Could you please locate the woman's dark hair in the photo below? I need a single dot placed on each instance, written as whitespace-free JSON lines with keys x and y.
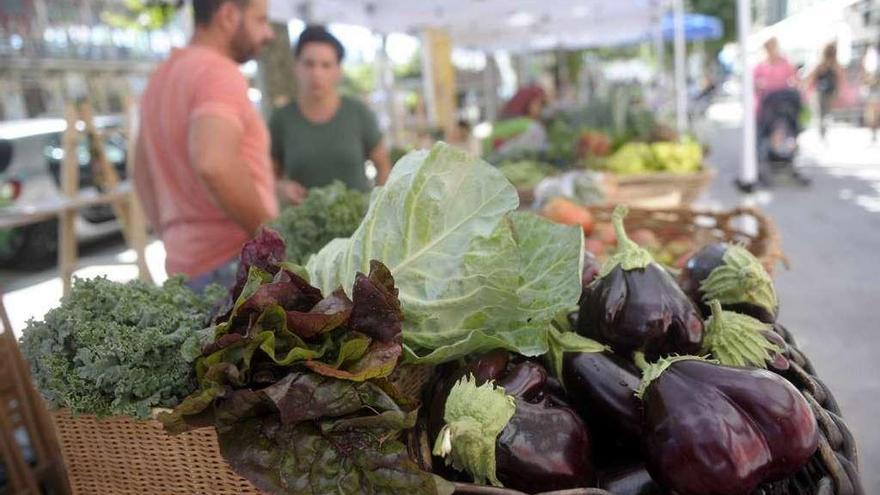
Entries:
{"x":318,"y":34}
{"x":829,"y":53}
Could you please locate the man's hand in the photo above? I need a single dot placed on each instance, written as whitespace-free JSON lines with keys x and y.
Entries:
{"x":292,"y":192}
{"x":382,"y":160}
{"x":215,"y":153}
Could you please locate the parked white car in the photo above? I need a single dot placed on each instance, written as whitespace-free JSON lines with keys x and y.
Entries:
{"x":30,"y":171}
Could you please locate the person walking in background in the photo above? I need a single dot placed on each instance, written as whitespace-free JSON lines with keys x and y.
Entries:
{"x":828,"y":79}
{"x":774,"y":73}
{"x":202,"y":168}
{"x":871,"y":76}
{"x":324,"y":136}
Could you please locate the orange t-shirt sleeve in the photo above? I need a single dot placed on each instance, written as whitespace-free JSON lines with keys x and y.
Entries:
{"x":223,"y":93}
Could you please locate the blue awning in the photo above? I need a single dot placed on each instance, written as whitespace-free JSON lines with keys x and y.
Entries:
{"x":696,"y":27}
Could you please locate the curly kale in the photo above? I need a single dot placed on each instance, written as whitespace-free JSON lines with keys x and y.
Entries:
{"x":116,"y":349}
{"x":328,"y":212}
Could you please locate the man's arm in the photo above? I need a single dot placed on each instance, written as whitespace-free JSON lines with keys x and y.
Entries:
{"x":215,"y":154}
{"x":382,"y":160}
{"x":143,"y":183}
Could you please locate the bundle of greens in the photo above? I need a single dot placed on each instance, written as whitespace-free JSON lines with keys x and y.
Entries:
{"x":294,"y":382}
{"x":327,"y":213}
{"x":472,"y":274}
{"x":117,"y":349}
{"x":526,"y":174}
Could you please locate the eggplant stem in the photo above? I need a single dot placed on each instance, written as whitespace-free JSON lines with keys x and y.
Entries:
{"x":640,"y":361}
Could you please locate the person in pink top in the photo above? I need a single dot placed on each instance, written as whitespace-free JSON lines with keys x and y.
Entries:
{"x":774,"y":73}
{"x":202,"y":169}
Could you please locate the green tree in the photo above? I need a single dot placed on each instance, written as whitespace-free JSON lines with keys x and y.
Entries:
{"x":142,"y":14}
{"x":725,"y":10}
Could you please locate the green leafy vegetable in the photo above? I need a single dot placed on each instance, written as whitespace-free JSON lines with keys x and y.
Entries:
{"x":328,"y":436}
{"x":294,"y":383}
{"x":284,"y":323}
{"x":327,"y":213}
{"x":472,"y":275}
{"x":526,"y":174}
{"x":117,"y":349}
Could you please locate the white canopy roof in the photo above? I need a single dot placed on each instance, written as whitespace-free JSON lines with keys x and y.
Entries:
{"x":521,"y":25}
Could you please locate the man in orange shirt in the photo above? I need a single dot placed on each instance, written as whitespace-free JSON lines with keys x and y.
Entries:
{"x":202,"y":168}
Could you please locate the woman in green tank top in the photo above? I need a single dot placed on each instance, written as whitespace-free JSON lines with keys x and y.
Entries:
{"x":323,"y":136}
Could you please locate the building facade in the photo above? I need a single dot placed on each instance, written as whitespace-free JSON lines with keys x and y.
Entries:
{"x":54,"y":51}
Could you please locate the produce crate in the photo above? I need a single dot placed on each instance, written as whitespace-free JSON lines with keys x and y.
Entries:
{"x":747,"y":226}
{"x":661,"y":189}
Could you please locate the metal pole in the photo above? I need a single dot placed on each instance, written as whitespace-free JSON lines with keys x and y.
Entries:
{"x":385,"y":75}
{"x":748,"y":175}
{"x":680,"y":70}
{"x":659,"y":45}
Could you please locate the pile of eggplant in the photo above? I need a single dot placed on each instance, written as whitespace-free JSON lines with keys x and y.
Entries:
{"x":689,"y":395}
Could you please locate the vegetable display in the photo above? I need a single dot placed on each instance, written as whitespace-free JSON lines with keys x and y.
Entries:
{"x":733,"y":276}
{"x":549,"y":369}
{"x":740,"y":340}
{"x":504,"y":423}
{"x":118,"y":349}
{"x":566,"y":212}
{"x":327,"y":213}
{"x":640,"y":158}
{"x":602,"y":387}
{"x":635,"y":305}
{"x":292,"y":381}
{"x":526,"y":174}
{"x":472,"y":274}
{"x":717,"y":430}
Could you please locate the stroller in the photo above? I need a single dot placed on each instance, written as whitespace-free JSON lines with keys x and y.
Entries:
{"x":778,"y":127}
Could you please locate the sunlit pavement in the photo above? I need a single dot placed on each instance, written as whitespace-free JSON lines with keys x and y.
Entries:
{"x":30,"y":294}
{"x":830,"y":235}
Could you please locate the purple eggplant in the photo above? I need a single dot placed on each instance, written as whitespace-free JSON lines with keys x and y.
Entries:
{"x":602,"y":387}
{"x":716,"y":430}
{"x":635,"y":305}
{"x":592,"y":267}
{"x":732,"y":275}
{"x":507,"y":427}
{"x":631,"y":480}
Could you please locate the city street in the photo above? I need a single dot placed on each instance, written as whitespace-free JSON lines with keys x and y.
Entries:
{"x":830,"y":235}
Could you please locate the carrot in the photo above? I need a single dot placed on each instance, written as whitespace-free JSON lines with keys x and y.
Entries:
{"x":567,"y":212}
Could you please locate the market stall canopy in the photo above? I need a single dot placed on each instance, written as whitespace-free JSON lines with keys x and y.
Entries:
{"x":696,"y":27}
{"x":525,"y":25}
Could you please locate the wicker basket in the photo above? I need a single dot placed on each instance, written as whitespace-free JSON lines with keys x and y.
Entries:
{"x":746,"y":226}
{"x":121,"y":456}
{"x":661,"y":189}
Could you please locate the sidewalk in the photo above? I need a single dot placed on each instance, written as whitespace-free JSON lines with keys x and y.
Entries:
{"x":831,"y":236}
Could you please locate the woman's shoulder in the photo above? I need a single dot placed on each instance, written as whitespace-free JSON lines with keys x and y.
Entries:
{"x":285,"y":113}
{"x":290,"y":108}
{"x":355,"y":104}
